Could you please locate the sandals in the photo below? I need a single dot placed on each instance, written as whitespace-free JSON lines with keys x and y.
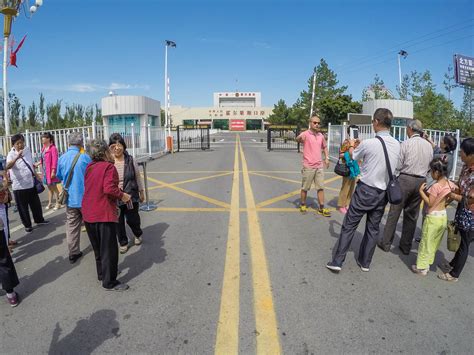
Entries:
{"x":447,"y":277}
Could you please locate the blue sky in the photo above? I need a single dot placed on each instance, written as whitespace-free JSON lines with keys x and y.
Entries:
{"x":79,"y":50}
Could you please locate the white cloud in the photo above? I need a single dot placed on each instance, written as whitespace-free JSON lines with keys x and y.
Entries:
{"x":85,"y":87}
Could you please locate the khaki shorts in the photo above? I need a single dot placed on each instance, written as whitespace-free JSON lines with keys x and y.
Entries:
{"x":310,"y":176}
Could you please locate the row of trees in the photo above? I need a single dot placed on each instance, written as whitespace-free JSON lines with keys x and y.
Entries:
{"x":332,"y":104}
{"x":44,"y":116}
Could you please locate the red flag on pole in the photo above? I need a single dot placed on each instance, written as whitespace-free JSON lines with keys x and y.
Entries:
{"x":13,"y":53}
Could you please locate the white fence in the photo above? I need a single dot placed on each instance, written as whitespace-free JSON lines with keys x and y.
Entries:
{"x":337,"y":134}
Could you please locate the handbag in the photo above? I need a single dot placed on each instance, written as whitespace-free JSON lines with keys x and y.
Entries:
{"x":5,"y":196}
{"x":454,"y":237}
{"x":36,"y":182}
{"x":63,"y":195}
{"x":394,"y":191}
{"x":341,"y":169}
{"x":463,"y":217}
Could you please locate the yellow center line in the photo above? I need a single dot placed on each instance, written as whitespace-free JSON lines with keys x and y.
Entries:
{"x":227,"y":338}
{"x":190,"y":172}
{"x":191,"y":180}
{"x":191,"y":193}
{"x":268,"y":341}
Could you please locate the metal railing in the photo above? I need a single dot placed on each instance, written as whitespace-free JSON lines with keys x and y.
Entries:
{"x":337,"y":134}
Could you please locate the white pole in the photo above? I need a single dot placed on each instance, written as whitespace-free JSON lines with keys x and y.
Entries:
{"x":149,"y":140}
{"x":312,"y":96}
{"x":399,"y":72}
{"x":166,"y":90}
{"x":456,"y":153}
{"x":6,"y":117}
{"x":133,"y":140}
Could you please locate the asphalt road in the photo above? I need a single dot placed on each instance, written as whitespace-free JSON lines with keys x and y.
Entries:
{"x":229,"y":264}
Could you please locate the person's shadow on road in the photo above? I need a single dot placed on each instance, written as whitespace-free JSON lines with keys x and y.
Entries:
{"x":88,"y":334}
{"x":151,"y":252}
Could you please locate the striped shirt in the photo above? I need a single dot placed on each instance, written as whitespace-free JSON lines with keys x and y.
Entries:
{"x":416,"y":155}
{"x":120,"y":166}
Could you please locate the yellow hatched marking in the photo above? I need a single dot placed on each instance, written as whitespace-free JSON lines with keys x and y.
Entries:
{"x":289,"y":209}
{"x":191,"y":193}
{"x":268,"y":341}
{"x":190,"y":172}
{"x":227,"y":338}
{"x":191,"y":180}
{"x":191,"y":209}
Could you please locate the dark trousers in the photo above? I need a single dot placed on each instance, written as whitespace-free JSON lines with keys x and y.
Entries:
{"x":410,"y":206}
{"x":25,"y":198}
{"x":365,"y":201}
{"x":133,"y":220}
{"x":103,"y":238}
{"x":8,"y":276}
{"x":460,"y":257}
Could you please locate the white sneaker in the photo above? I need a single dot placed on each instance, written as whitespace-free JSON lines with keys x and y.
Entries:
{"x":138,"y":240}
{"x":123,"y":249}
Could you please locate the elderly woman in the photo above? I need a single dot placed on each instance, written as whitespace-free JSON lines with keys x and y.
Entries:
{"x":464,"y":219}
{"x":99,"y":211}
{"x":447,"y":146}
{"x":20,"y":164}
{"x":130,"y":182}
{"x":49,"y":163}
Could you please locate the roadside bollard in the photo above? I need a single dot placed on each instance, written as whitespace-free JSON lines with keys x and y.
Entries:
{"x":148,"y":206}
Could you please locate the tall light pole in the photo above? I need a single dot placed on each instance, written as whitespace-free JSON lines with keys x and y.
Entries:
{"x":312,"y":95}
{"x":167,"y":87}
{"x":10,"y":8}
{"x":403,"y":54}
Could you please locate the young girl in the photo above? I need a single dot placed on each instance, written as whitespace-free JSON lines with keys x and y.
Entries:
{"x":436,"y":220}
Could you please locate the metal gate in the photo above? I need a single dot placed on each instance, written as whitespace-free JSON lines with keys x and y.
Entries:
{"x":282,"y":137}
{"x":193,"y":137}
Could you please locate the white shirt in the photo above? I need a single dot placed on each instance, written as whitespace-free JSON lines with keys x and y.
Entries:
{"x":373,"y":171}
{"x":416,"y":155}
{"x":21,"y":176}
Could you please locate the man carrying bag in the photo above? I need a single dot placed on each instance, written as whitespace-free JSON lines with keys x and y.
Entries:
{"x":71,"y":170}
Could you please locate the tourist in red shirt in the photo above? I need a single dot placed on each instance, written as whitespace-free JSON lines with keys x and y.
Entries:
{"x":100,"y":212}
{"x":313,"y":166}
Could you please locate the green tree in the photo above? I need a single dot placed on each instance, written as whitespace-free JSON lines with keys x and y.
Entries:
{"x":376,"y":90}
{"x":42,"y":110}
{"x":15,"y":110}
{"x":32,"y":116}
{"x":448,"y":81}
{"x":53,"y":113}
{"x":280,"y":114}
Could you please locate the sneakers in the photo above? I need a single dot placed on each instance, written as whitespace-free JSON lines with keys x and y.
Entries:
{"x":14,"y":300}
{"x":44,"y":222}
{"x":303,"y":208}
{"x":343,"y":210}
{"x":333,"y":267}
{"x":28,"y":229}
{"x":123,"y":249}
{"x":364,"y":269}
{"x":138,"y":240}
{"x":421,"y":272}
{"x":324,"y":212}
{"x":447,"y":277}
{"x":75,"y":257}
{"x":118,"y":287}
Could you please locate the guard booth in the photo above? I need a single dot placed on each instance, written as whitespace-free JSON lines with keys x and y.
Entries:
{"x":192,"y":137}
{"x":283,"y":137}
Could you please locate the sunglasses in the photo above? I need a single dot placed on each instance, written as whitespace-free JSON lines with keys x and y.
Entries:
{"x":315,"y":122}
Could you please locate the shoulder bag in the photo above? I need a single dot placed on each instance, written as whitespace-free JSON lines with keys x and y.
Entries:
{"x":341,"y":169}
{"x":394,"y":191}
{"x":63,"y":195}
{"x":36,"y":182}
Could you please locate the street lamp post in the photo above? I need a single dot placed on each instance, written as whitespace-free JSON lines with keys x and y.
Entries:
{"x":10,"y":8}
{"x":312,"y":95}
{"x":403,"y":54}
{"x":167,"y":92}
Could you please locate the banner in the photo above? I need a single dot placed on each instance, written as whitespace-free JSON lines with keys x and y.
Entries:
{"x":464,"y":69}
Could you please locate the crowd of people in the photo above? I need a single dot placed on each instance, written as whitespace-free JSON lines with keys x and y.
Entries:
{"x":421,"y":171}
{"x":101,"y":190}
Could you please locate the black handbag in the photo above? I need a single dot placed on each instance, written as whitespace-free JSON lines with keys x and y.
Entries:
{"x":64,"y":194}
{"x":394,"y":191}
{"x":37,"y":184}
{"x":341,"y":169}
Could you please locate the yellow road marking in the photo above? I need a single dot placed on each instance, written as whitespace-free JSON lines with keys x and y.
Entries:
{"x":276,"y":177}
{"x":190,"y":172}
{"x":227,"y":339}
{"x":289,"y":209}
{"x":191,"y":193}
{"x":191,"y":180}
{"x":191,"y":209}
{"x":268,"y":341}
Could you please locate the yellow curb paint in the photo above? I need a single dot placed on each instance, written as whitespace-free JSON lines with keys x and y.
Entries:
{"x":191,"y":180}
{"x":227,"y":337}
{"x":191,"y":209}
{"x":268,"y":341}
{"x":191,"y":193}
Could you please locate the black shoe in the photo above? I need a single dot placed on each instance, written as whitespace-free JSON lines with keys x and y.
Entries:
{"x":118,"y":287}
{"x":43,"y":222}
{"x":75,"y":257}
{"x":383,"y":247}
{"x":403,"y":251}
{"x":28,"y":229}
{"x":333,"y":266}
{"x":417,"y":240}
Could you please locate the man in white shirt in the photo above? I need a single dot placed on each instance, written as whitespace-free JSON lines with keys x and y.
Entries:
{"x":370,"y":197}
{"x":20,"y":164}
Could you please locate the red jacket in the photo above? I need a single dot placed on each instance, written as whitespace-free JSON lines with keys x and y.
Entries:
{"x":101,"y":193}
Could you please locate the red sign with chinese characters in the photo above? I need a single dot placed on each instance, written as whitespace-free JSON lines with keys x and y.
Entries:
{"x":237,"y":125}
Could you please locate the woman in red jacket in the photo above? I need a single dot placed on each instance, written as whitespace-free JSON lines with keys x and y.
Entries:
{"x":100,"y":212}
